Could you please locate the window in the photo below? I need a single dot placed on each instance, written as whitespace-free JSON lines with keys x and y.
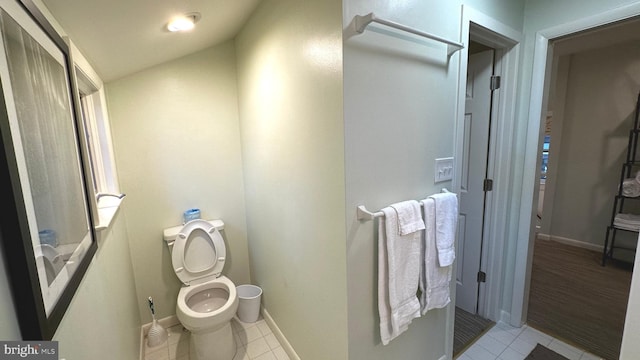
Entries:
{"x":545,"y":157}
{"x":99,"y":148}
{"x":544,"y":164}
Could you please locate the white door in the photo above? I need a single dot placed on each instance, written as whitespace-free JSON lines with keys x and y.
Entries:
{"x":474,"y":170}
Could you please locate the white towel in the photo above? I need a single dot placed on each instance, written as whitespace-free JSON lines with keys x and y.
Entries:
{"x":434,"y":280}
{"x":409,"y":217}
{"x":446,"y":220}
{"x":631,"y":187}
{"x":627,"y":221}
{"x":398,"y":276}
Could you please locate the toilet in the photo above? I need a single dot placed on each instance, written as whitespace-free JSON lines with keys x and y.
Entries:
{"x":208,"y":300}
{"x":51,"y":259}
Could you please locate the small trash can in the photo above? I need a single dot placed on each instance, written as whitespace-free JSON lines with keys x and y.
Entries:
{"x":249,"y":302}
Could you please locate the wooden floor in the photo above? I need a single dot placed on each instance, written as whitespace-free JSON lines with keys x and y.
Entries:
{"x":577,"y":300}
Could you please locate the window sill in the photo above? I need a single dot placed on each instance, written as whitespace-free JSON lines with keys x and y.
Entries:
{"x":107,"y":210}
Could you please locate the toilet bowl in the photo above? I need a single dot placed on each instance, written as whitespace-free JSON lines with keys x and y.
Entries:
{"x":208,"y":300}
{"x":51,"y":260}
{"x":206,"y":310}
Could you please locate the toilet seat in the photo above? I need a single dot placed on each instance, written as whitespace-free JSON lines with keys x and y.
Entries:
{"x":52,"y":260}
{"x":198,"y":252}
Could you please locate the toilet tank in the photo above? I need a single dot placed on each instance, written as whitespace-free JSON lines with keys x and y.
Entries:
{"x":169,"y":235}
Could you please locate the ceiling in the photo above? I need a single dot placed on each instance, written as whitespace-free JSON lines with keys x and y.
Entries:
{"x":120,"y":37}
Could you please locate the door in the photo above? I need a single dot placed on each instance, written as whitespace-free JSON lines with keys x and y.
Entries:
{"x":477,"y":124}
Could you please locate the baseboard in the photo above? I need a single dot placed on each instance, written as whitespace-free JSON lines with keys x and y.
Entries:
{"x":571,"y":242}
{"x":543,"y":236}
{"x":166,"y":323}
{"x":286,"y":346}
{"x":505,"y":317}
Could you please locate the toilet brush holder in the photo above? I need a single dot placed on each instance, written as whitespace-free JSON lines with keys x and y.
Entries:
{"x":157,"y":334}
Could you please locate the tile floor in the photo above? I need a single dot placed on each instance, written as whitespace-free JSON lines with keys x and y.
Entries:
{"x":255,"y":341}
{"x":504,"y":342}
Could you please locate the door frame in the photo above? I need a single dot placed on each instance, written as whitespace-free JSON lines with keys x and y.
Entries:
{"x":506,"y":41}
{"x":542,"y":58}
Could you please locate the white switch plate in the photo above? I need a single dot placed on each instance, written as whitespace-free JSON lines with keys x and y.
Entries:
{"x":444,"y":169}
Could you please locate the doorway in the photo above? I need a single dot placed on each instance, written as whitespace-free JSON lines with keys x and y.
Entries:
{"x":483,"y":33}
{"x":474,"y":190}
{"x":473,"y":194}
{"x":491,"y":48}
{"x":592,"y":94}
{"x":542,"y":57}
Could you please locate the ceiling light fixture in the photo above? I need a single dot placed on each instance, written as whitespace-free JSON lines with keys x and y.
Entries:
{"x":184,"y":22}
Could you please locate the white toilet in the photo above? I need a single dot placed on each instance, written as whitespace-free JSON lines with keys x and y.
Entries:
{"x":51,"y":259}
{"x":208,"y":300}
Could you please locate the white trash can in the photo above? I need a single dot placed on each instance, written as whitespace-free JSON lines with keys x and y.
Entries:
{"x":249,"y":302}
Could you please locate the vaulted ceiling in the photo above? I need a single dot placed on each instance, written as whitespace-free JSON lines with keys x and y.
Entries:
{"x":120,"y":37}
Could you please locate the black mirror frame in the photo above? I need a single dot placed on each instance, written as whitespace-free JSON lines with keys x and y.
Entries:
{"x":15,"y":237}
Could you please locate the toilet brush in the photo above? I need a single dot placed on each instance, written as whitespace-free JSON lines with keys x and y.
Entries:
{"x":157,"y":334}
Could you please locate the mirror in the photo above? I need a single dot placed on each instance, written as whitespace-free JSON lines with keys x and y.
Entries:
{"x":48,"y":239}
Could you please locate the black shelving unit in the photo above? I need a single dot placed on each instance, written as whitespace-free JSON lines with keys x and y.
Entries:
{"x":630,"y":166}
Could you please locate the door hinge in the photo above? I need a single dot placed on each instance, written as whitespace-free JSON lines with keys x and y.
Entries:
{"x":495,"y":82}
{"x":487,"y":185}
{"x":482,"y":276}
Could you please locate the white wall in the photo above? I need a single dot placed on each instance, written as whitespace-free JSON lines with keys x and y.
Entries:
{"x":399,"y":103}
{"x":290,"y":91}
{"x":9,"y":328}
{"x":103,"y":316}
{"x":601,"y":96}
{"x":400,"y":99}
{"x":542,"y":14}
{"x":508,"y":12}
{"x":177,"y":146}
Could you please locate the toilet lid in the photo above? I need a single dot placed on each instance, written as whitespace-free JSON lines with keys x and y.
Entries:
{"x":198,"y":252}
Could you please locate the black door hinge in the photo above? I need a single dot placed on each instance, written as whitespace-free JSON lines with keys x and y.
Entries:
{"x":495,"y":82}
{"x":487,"y":185}
{"x":482,"y":276}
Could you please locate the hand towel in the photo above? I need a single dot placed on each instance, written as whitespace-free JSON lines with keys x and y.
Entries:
{"x":409,"y":217}
{"x":434,"y":280}
{"x":446,"y":220}
{"x":631,"y":187}
{"x":398,"y":276}
{"x":627,"y":221}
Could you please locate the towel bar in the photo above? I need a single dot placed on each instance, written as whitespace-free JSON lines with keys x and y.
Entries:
{"x":361,"y":22}
{"x":365,"y":215}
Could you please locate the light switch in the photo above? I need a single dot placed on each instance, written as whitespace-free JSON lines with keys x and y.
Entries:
{"x":444,"y":169}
